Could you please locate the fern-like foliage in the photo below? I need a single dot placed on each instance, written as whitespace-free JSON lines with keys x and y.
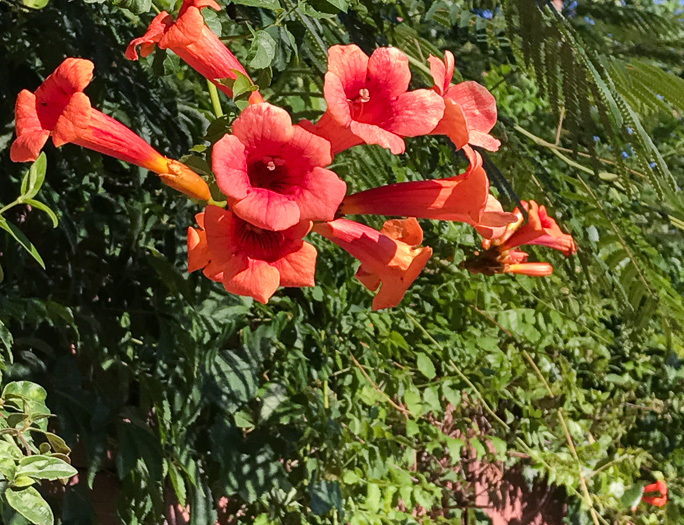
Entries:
{"x":576,"y":77}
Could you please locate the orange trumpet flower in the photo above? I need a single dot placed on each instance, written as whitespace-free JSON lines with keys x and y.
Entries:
{"x":390,"y":258}
{"x":190,"y":38}
{"x":369,"y":102}
{"x":501,"y":254}
{"x":463,"y":198}
{"x":248,"y":260}
{"x":59,"y":109}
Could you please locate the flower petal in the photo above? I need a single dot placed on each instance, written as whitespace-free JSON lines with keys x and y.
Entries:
{"x":72,"y":75}
{"x":336,"y":99}
{"x":340,"y":137}
{"x":307,"y":149}
{"x":318,"y":194}
{"x":26,"y":147}
{"x":483,"y":140}
{"x":263,"y":129}
{"x":388,"y":73}
{"x":442,"y":71}
{"x":415,"y":113}
{"x":229,"y":164}
{"x":268,"y":210}
{"x":453,"y":124}
{"x":74,"y":120}
{"x":298,"y":267}
{"x":479,"y":106}
{"x":198,"y":251}
{"x":31,"y":137}
{"x":153,"y":34}
{"x":350,"y":65}
{"x":185,"y":31}
{"x":259,"y":280}
{"x":372,"y":134}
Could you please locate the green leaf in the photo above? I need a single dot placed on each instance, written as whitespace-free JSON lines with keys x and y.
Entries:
{"x":263,"y":50}
{"x":57,"y":443}
{"x":454,"y":446}
{"x":30,"y":504}
{"x":178,"y":483}
{"x":273,"y":397}
{"x":44,"y":208}
{"x":244,"y":420}
{"x":425,"y":366}
{"x":21,"y":239}
{"x":35,"y":4}
{"x":45,"y":467}
{"x":25,"y":390}
{"x":35,"y":176}
{"x":266,"y":4}
{"x":480,"y":450}
{"x":135,"y":6}
{"x":324,"y":496}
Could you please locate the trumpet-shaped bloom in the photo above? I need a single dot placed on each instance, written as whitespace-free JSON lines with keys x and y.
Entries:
{"x":272,"y":172}
{"x":470,"y":110}
{"x":661,"y":488}
{"x":249,"y":260}
{"x":190,"y":38}
{"x":390,"y":259}
{"x":463,"y":198}
{"x":501,"y":254}
{"x":540,"y":229}
{"x":369,"y":102}
{"x":60,"y":109}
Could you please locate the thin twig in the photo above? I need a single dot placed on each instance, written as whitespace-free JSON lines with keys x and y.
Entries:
{"x":400,"y":408}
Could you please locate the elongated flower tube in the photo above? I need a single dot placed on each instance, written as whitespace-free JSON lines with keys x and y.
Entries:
{"x":369,"y":102}
{"x":273,"y":172}
{"x":248,"y":260}
{"x":470,"y":109}
{"x":190,"y":38}
{"x":59,"y":109}
{"x":501,"y":254}
{"x":464,"y":198}
{"x":390,"y":259}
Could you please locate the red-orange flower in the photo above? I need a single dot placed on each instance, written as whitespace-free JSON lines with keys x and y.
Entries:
{"x":272,"y":172}
{"x":390,"y":259}
{"x":501,"y":254}
{"x":661,"y":488}
{"x":368,"y":101}
{"x":246,"y":259}
{"x":190,"y":38}
{"x":60,"y":109}
{"x":540,"y":229}
{"x":470,"y":110}
{"x":463,"y":198}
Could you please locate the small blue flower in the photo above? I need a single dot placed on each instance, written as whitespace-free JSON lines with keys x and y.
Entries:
{"x":589,"y":21}
{"x":658,"y":2}
{"x":596,"y":138}
{"x":651,"y":164}
{"x":487,"y":14}
{"x":572,"y":5}
{"x":624,"y":154}
{"x":629,"y":130}
{"x":660,"y":97}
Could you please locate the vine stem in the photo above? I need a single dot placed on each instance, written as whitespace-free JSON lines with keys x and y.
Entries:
{"x":215,"y":101}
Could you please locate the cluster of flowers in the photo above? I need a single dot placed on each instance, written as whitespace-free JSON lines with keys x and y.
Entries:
{"x":274,"y":176}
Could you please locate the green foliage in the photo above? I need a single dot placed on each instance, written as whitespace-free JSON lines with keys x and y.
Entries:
{"x":28,"y":453}
{"x":313,"y":409}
